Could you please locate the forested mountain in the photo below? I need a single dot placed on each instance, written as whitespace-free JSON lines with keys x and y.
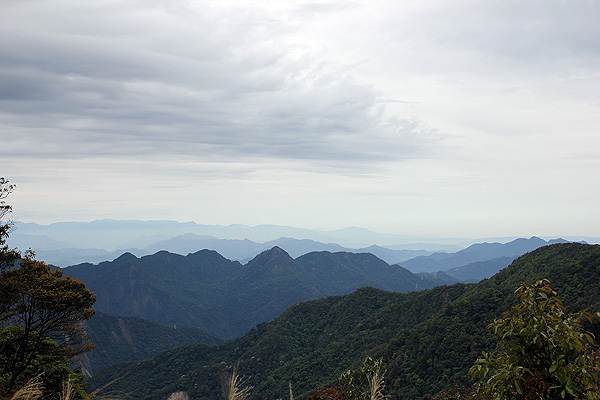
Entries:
{"x":121,"y":339}
{"x":226,"y":298}
{"x":428,"y":339}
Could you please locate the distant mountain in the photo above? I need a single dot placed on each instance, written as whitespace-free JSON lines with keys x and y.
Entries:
{"x":391,"y":256}
{"x":226,"y":298}
{"x":60,"y":254}
{"x":476,"y":253}
{"x":245,"y":250}
{"x":428,"y":339}
{"x":432,"y":279}
{"x":122,"y":339}
{"x":233,"y":249}
{"x":118,"y":234}
{"x":477,"y":271}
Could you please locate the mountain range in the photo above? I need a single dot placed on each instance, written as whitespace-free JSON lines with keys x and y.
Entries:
{"x":457,"y":263}
{"x":64,"y":244}
{"x":118,"y":234}
{"x":227,"y":298}
{"x":58,"y":253}
{"x":428,"y":339}
{"x":210,"y":293}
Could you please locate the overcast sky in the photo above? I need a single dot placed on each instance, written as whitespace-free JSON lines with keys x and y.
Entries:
{"x":436,"y":118}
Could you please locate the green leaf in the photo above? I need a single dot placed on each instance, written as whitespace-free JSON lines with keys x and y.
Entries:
{"x":518,"y":386}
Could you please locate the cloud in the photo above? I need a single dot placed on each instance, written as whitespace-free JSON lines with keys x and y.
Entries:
{"x":136,"y":79}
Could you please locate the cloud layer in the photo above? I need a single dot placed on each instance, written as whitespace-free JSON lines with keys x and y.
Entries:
{"x":139,"y":79}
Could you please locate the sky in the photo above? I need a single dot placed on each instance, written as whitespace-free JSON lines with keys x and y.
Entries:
{"x":433,"y":118}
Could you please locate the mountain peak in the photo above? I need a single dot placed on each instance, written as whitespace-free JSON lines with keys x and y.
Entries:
{"x":127,"y":256}
{"x":273,"y":261}
{"x":275,"y":253}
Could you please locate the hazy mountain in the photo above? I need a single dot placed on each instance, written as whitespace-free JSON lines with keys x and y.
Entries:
{"x":226,"y":298}
{"x":114,"y":234}
{"x":475,"y":253}
{"x":233,"y":249}
{"x":477,"y":271}
{"x":432,"y":279}
{"x":428,"y":339}
{"x":391,"y":256}
{"x":63,"y":253}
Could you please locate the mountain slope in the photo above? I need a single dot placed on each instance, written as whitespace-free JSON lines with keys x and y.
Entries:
{"x":429,"y":339}
{"x":343,"y":272}
{"x":165,"y":288}
{"x":121,"y":339}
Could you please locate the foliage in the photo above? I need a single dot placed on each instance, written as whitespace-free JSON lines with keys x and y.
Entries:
{"x":543,"y":351}
{"x":7,"y":256}
{"x":331,"y":393}
{"x":40,"y":315}
{"x":366,"y":383}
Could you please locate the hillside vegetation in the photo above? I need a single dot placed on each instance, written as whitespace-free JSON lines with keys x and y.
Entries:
{"x":428,"y":339}
{"x":121,"y":339}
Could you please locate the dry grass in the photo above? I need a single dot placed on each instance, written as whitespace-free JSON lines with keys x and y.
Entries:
{"x":179,"y":396}
{"x":95,"y":395}
{"x":376,"y":385}
{"x":67,"y":390}
{"x":31,"y":391}
{"x":235,"y":386}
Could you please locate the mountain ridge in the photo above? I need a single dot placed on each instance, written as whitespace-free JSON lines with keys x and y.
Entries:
{"x":475,"y":253}
{"x":226,"y":298}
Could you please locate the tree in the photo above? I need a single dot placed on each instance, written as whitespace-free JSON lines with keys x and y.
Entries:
{"x":7,"y":256}
{"x":40,"y":316}
{"x":42,"y":304}
{"x":543,"y":352}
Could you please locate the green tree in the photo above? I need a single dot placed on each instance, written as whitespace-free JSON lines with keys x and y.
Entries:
{"x":43,"y":304}
{"x":40,"y":317}
{"x":543,"y":351}
{"x":7,"y":255}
